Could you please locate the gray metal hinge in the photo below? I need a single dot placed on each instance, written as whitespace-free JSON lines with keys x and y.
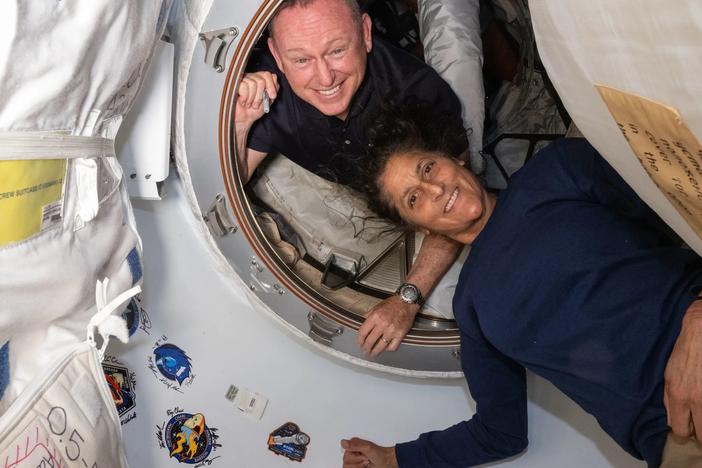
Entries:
{"x":217,"y":44}
{"x":218,"y":219}
{"x":322,"y":329}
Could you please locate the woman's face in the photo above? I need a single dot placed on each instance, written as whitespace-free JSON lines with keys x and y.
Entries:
{"x":437,"y":194}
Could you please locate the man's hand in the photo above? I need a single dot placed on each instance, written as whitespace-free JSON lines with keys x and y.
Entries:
{"x":249,"y":108}
{"x":683,"y":377}
{"x":359,"y":453}
{"x":386,"y":325}
{"x":249,"y":99}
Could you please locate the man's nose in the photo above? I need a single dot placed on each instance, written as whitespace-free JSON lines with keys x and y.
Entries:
{"x":324,"y":73}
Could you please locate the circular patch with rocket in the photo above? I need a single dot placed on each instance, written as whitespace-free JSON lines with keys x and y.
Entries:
{"x":188,"y":439}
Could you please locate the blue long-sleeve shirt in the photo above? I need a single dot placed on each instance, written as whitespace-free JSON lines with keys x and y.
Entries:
{"x":573,"y":278}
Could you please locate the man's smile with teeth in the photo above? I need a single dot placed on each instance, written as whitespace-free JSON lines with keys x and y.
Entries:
{"x":451,"y":200}
{"x":329,"y":92}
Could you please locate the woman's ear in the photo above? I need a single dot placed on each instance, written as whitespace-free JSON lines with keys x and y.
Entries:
{"x":462,"y":158}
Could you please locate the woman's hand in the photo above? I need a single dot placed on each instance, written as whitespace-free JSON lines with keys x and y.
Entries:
{"x":386,"y":325}
{"x":682,"y":395}
{"x":359,"y":453}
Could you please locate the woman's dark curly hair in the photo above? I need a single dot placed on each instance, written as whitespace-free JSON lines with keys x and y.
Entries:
{"x":413,"y":126}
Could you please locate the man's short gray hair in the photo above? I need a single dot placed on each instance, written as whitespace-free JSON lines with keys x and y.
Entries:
{"x":352,"y":4}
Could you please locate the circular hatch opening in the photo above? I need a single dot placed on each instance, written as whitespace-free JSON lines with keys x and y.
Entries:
{"x":319,"y":246}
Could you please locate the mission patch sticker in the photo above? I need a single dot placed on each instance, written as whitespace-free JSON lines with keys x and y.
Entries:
{"x":289,"y":442}
{"x":122,"y":383}
{"x":170,"y":365}
{"x":188,"y":438}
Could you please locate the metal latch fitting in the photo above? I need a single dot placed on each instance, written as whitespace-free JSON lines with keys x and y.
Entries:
{"x":322,"y":329}
{"x":218,"y":219}
{"x":217,"y":44}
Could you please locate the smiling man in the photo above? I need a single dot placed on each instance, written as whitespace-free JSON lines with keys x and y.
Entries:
{"x":324,"y":74}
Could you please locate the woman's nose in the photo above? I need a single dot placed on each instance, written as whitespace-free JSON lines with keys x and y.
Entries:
{"x":435,"y":190}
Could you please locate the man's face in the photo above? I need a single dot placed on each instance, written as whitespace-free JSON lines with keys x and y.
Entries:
{"x":322,"y":51}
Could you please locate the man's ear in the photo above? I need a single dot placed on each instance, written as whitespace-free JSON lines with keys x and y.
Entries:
{"x":366,"y":27}
{"x":275,"y":53}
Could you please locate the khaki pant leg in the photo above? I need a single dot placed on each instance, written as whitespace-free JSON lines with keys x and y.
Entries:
{"x":681,"y":453}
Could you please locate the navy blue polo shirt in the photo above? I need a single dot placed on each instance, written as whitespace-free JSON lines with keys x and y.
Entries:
{"x":328,"y":146}
{"x":573,"y":279}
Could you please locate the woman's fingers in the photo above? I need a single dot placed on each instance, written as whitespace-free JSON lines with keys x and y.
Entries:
{"x":696,"y":423}
{"x":381,"y":345}
{"x":372,"y":339}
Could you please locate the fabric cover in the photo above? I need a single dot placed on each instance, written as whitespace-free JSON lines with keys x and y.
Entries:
{"x":645,"y":48}
{"x":70,"y":68}
{"x":65,"y":416}
{"x":450,"y":33}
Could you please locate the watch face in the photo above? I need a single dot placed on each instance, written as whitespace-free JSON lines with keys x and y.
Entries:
{"x":409,"y":293}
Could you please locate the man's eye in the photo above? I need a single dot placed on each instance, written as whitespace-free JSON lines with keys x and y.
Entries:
{"x":337,"y":51}
{"x":412,"y":200}
{"x":301,"y":61}
{"x":428,"y":167}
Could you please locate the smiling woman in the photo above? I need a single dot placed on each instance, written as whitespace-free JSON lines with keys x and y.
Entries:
{"x":416,"y":176}
{"x":595,"y":304}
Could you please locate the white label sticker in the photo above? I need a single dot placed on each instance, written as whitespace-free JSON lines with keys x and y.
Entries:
{"x":247,"y":401}
{"x":51,"y":215}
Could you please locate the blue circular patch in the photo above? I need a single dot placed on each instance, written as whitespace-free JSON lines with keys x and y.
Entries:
{"x":172,"y":362}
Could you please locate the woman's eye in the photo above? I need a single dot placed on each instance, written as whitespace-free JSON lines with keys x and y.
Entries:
{"x":428,"y":167}
{"x":412,"y":200}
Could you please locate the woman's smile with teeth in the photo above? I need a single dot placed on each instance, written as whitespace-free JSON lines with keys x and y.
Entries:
{"x":329,"y":92}
{"x":451,"y":200}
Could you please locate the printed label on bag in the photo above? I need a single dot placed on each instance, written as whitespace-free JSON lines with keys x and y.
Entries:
{"x":31,"y":197}
{"x":665,"y":146}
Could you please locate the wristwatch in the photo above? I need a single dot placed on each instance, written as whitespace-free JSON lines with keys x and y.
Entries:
{"x":410,"y":294}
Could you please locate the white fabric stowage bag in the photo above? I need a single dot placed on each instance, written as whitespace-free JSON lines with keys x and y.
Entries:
{"x":70,"y":256}
{"x":65,"y":418}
